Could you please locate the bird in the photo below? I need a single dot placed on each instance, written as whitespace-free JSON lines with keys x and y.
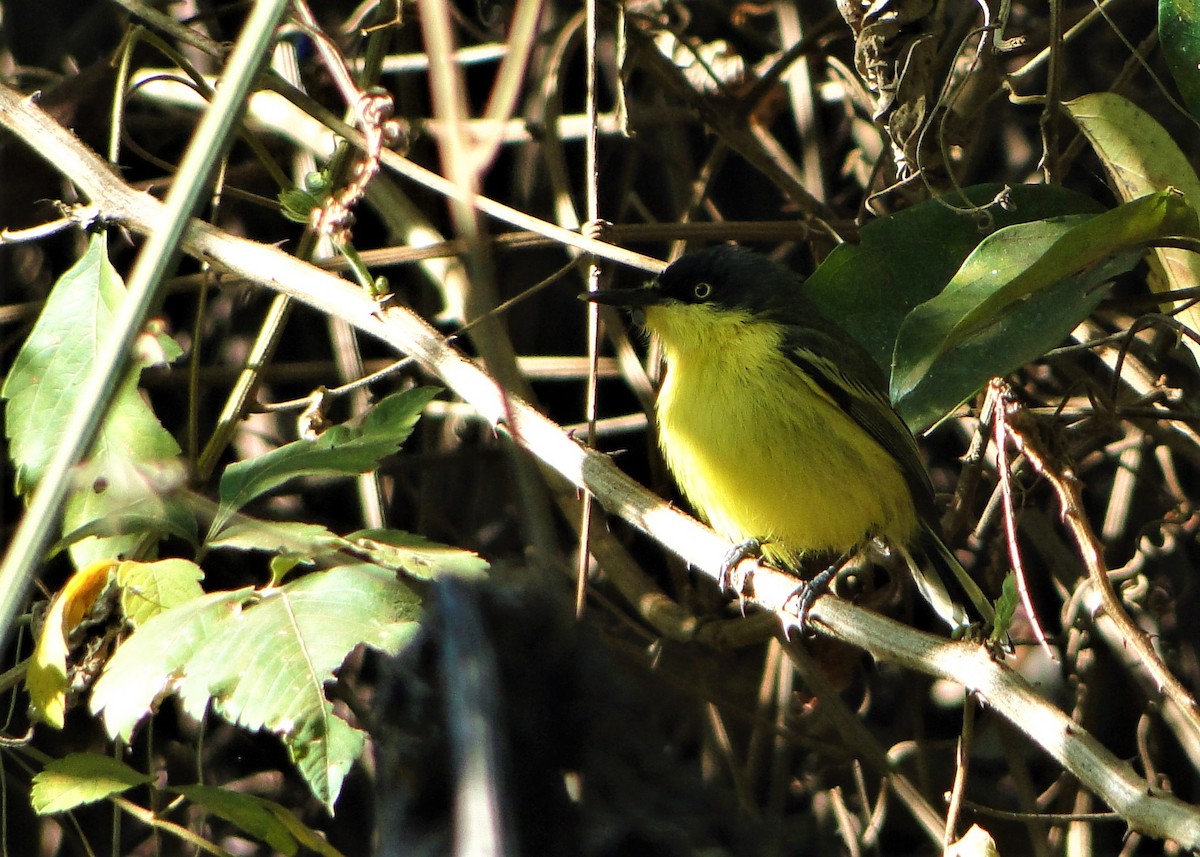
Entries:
{"x":775,"y":424}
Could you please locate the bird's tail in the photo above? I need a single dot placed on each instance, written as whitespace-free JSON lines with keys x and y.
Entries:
{"x":945,"y":584}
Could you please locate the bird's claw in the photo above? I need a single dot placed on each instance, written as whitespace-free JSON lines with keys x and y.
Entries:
{"x":806,"y":595}
{"x":742,"y":550}
{"x":746,"y":549}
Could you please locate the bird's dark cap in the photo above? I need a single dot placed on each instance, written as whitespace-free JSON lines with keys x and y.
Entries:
{"x":625,"y":297}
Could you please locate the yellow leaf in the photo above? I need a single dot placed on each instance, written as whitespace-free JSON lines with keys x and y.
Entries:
{"x":46,"y":680}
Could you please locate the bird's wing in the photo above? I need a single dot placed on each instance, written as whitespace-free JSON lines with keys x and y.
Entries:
{"x":855,"y":383}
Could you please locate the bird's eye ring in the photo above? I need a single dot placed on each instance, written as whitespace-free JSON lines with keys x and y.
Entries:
{"x":702,"y":291}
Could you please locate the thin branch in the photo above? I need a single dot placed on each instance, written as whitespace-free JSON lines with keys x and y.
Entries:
{"x":999,"y":686}
{"x":1067,"y":487}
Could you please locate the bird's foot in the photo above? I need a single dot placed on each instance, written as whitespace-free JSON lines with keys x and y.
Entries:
{"x":805,"y":595}
{"x":746,"y":549}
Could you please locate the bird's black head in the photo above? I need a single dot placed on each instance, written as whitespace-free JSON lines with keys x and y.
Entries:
{"x":730,"y":278}
{"x":723,"y":278}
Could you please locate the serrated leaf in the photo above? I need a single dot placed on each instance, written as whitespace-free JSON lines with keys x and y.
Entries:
{"x":342,"y":450}
{"x":417,"y":556}
{"x":262,"y":662}
{"x":252,"y":815}
{"x":42,"y":388}
{"x":150,"y":588}
{"x":79,"y":779}
{"x":46,"y":679}
{"x":55,"y":359}
{"x":265,"y":667}
{"x":1140,"y":157}
{"x":152,"y":658}
{"x":402,"y":551}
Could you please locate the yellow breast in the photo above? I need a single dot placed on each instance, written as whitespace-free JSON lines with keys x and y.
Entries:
{"x":761,"y":451}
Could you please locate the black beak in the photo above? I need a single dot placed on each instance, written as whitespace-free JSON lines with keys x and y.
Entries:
{"x":624,"y":297}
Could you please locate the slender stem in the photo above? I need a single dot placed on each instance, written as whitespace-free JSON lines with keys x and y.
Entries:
{"x":592,"y":171}
{"x":154,"y":262}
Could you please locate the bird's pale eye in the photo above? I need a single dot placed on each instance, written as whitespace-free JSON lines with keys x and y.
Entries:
{"x":702,"y":291}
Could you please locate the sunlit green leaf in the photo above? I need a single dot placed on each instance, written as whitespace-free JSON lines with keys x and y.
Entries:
{"x":1003,"y":276}
{"x":1027,"y":329}
{"x":1006,"y":607}
{"x":150,"y":588}
{"x":342,"y":450}
{"x":905,"y":259}
{"x":79,"y":779}
{"x":43,"y":386}
{"x":282,"y":537}
{"x":145,"y":514}
{"x":297,"y":204}
{"x":150,"y":661}
{"x":1140,"y":157}
{"x":418,"y":556}
{"x":265,"y":667}
{"x":261,"y":659}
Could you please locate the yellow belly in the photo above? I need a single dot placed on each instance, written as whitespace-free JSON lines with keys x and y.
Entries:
{"x":799,"y":475}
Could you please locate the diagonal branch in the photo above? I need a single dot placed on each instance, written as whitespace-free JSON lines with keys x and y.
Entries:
{"x":1145,"y":808}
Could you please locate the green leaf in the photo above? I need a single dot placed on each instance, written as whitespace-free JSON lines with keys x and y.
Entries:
{"x":1179,"y":32}
{"x":342,"y":450}
{"x":116,"y":489}
{"x":282,"y":566}
{"x":55,"y":359}
{"x":281,"y":537}
{"x":262,"y":659}
{"x":1032,"y":327}
{"x":150,"y":588}
{"x":417,"y":556}
{"x":1002,"y":275}
{"x":42,"y":389}
{"x":401,"y":551}
{"x":1006,"y":608}
{"x":303,"y":834}
{"x":250,"y":814}
{"x":297,"y":204}
{"x":1140,"y":157}
{"x":148,"y":664}
{"x":265,"y":667}
{"x":144,"y":515}
{"x":79,"y":779}
{"x":904,"y":260}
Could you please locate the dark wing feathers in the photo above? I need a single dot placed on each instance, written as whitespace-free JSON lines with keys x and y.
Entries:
{"x":855,"y":383}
